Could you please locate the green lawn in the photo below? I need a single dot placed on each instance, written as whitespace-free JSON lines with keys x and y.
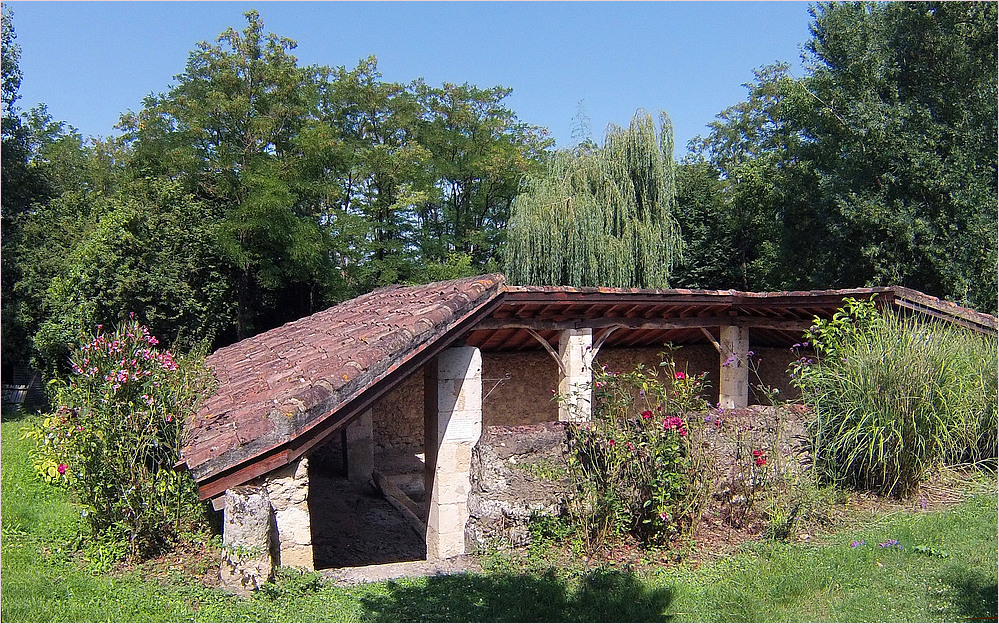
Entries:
{"x":951,"y":578}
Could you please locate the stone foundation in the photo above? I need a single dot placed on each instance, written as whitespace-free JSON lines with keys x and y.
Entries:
{"x":246,"y":556}
{"x":506,"y":488}
{"x":291,"y":533}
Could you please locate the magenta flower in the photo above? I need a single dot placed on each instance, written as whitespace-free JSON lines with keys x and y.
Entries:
{"x":680,"y":375}
{"x":62,"y":469}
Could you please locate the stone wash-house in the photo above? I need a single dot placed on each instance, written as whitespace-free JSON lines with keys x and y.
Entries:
{"x":419,"y":371}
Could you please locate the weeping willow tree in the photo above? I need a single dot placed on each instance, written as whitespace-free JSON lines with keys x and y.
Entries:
{"x":600,"y":216}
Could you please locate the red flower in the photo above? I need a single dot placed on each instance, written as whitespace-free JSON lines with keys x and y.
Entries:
{"x":610,"y":442}
{"x":760,"y":461}
{"x":647,"y":414}
{"x":757,"y":453}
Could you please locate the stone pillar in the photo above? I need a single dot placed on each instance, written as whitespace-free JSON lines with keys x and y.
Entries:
{"x":246,"y":532}
{"x":452,"y":426}
{"x":575,"y":348}
{"x":733,"y":386}
{"x":360,"y":447}
{"x":288,"y":488}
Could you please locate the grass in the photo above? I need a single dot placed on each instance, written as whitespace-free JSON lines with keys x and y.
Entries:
{"x":951,"y":578}
{"x":901,"y":396}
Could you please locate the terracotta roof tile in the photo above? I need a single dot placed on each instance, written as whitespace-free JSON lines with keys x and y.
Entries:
{"x":281,"y":383}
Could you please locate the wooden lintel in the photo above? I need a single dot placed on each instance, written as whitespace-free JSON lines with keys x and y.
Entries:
{"x":665,"y":323}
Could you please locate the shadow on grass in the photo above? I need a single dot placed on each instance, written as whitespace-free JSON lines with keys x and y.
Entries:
{"x":14,"y":415}
{"x":976,"y":597}
{"x":597,"y":597}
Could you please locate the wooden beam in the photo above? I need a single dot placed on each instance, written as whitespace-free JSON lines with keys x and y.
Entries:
{"x":551,"y":351}
{"x":413,"y":512}
{"x":665,"y":323}
{"x":603,"y":338}
{"x":261,"y":466}
{"x":707,"y":334}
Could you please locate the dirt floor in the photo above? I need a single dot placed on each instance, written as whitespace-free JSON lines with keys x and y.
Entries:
{"x":353,"y":525}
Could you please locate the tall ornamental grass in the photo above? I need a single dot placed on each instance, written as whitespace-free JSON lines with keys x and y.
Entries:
{"x":893,"y":396}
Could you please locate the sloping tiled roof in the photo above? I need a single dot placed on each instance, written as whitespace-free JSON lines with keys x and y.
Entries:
{"x":286,"y":390}
{"x":277,"y":387}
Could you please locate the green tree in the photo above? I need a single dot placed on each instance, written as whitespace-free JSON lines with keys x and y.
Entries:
{"x":602,"y":216}
{"x":147,"y":249}
{"x":480,"y":152}
{"x":227,"y":129}
{"x":899,"y":114}
{"x":372,"y":170}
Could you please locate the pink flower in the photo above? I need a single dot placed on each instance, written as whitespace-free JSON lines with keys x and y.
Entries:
{"x":680,"y":375}
{"x":664,"y":516}
{"x":62,"y":469}
{"x":610,"y":442}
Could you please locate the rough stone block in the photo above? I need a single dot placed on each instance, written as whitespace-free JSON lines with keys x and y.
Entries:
{"x":288,"y":488}
{"x":246,"y":559}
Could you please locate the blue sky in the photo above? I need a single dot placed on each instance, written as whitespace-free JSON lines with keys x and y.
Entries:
{"x":91,"y":61}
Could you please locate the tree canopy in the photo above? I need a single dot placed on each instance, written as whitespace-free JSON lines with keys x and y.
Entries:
{"x":600,"y":216}
{"x":878,"y":167}
{"x":256,"y":190}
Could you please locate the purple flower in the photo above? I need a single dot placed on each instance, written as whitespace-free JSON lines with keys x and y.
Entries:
{"x":856,"y":544}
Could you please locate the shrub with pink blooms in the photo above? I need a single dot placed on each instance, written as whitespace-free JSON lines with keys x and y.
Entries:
{"x":631,"y":466}
{"x":116,"y":435}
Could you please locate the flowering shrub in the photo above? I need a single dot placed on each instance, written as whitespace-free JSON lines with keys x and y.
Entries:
{"x":631,"y":466}
{"x":116,"y":436}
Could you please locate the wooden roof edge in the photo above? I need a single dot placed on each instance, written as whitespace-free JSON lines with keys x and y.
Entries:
{"x":215,"y":479}
{"x":519,"y":293}
{"x":945,"y":310}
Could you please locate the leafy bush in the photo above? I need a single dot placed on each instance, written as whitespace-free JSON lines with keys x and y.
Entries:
{"x":116,"y":436}
{"x":631,"y":467}
{"x":893,"y":396}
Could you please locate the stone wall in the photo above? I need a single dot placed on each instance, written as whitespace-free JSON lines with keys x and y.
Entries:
{"x":506,"y":487}
{"x":517,"y":388}
{"x":291,"y":528}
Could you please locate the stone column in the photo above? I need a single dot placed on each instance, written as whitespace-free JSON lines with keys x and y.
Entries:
{"x":246,"y":532}
{"x":452,"y":426}
{"x":360,"y":447}
{"x":733,"y":386}
{"x":288,"y":488}
{"x":575,"y":348}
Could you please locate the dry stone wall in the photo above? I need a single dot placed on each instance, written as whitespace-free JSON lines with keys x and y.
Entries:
{"x":506,"y":487}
